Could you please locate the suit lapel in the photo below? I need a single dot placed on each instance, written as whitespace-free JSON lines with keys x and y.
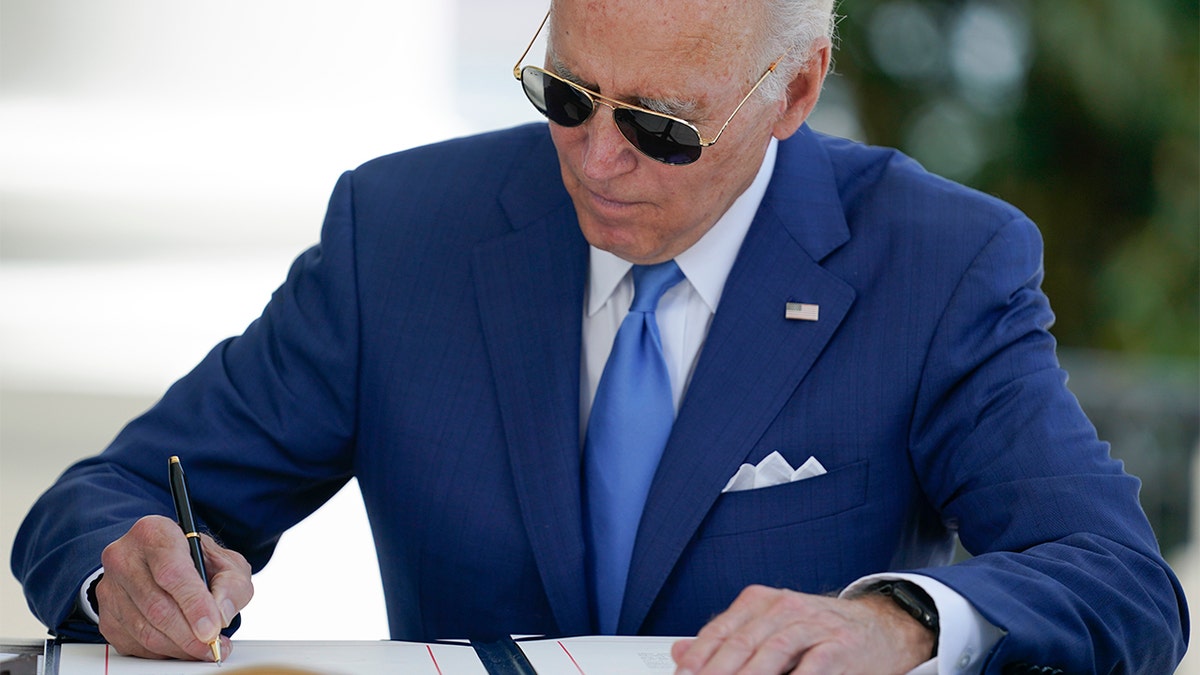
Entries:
{"x":530,"y":285}
{"x":752,"y":360}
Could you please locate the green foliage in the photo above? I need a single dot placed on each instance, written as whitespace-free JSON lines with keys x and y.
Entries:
{"x":1084,"y":113}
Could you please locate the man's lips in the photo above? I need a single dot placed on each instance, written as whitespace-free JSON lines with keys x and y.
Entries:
{"x":609,"y":203}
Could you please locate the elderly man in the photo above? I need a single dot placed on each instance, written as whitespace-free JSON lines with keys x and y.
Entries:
{"x":564,"y":362}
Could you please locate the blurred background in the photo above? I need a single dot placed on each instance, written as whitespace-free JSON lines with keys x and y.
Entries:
{"x":161,"y":163}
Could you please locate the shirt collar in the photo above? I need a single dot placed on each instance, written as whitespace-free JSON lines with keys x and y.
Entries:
{"x":707,"y":263}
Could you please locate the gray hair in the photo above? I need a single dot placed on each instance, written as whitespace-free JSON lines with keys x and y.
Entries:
{"x":788,"y":24}
{"x":794,"y":24}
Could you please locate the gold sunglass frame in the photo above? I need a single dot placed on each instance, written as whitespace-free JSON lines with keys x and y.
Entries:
{"x":614,"y":104}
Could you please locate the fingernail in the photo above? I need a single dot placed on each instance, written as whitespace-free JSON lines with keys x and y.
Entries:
{"x":206,"y":632}
{"x":228,"y":611}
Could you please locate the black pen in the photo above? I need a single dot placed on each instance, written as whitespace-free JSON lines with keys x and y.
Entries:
{"x":183,"y":513}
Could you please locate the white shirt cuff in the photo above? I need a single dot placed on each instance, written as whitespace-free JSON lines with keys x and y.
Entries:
{"x":964,"y":636}
{"x":85,"y":605}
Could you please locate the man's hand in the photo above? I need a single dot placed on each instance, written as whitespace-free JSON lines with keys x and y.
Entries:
{"x":772,"y":631}
{"x":152,"y":602}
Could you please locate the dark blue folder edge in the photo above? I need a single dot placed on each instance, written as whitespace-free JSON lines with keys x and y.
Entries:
{"x":503,"y":657}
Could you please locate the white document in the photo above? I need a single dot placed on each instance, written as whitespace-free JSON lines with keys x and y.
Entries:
{"x":344,"y":657}
{"x":601,"y":655}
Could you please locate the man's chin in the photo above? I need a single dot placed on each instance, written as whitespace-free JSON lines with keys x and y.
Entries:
{"x":616,"y":240}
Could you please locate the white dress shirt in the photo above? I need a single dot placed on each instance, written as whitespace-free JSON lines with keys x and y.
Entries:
{"x":684,"y":315}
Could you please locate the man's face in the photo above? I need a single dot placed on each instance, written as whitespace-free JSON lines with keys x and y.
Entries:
{"x":690,"y":58}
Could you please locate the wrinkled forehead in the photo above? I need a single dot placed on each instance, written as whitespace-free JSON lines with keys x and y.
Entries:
{"x":667,"y":34}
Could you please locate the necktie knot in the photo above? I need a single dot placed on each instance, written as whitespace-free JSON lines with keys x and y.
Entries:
{"x":650,"y":282}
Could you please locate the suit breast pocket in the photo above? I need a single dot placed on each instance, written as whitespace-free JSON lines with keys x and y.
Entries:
{"x":839,"y":490}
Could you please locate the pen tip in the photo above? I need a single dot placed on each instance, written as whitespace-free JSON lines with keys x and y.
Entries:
{"x":174,"y":459}
{"x":216,"y":651}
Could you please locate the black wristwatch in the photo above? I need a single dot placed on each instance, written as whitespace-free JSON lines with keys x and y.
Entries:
{"x":915,"y":601}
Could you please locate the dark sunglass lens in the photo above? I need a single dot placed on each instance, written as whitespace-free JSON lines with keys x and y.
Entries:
{"x":660,"y":138}
{"x":558,"y":101}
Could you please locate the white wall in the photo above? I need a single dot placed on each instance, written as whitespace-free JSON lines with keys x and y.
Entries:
{"x":161,"y":163}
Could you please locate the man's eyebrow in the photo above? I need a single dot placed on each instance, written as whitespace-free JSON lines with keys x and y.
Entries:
{"x":566,"y":73}
{"x":675,"y":107}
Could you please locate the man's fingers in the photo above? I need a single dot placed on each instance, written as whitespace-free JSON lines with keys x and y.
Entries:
{"x":784,"y":649}
{"x":127,"y":629}
{"x":768,"y":631}
{"x":680,"y":648}
{"x":173,"y":571}
{"x":822,"y":660}
{"x":137,"y":615}
{"x":152,"y":600}
{"x":228,"y":578}
{"x":190,"y":596}
{"x":724,"y":635}
{"x":769,"y":645}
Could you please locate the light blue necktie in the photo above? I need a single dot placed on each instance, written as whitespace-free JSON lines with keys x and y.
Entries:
{"x":630,"y":421}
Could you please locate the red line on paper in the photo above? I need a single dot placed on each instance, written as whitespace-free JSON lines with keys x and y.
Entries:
{"x":434,"y":659}
{"x":568,"y":652}
{"x":106,"y":648}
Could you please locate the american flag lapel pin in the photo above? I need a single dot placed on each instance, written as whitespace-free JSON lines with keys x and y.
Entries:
{"x":801,"y":311}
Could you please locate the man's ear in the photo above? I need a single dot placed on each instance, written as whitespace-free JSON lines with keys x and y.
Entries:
{"x":803,"y":91}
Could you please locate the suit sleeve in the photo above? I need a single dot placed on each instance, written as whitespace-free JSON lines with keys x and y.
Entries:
{"x":265,"y":425}
{"x":1064,"y":559}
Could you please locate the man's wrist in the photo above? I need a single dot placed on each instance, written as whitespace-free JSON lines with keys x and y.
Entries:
{"x":966,"y":637}
{"x":915,"y":602}
{"x":910,"y":638}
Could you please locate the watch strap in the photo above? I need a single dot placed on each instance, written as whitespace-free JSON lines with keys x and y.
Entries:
{"x":915,"y":602}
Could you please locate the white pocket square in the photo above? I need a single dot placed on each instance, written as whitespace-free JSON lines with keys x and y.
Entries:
{"x":773,"y":470}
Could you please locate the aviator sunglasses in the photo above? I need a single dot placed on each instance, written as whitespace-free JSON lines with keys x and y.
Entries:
{"x":660,"y":137}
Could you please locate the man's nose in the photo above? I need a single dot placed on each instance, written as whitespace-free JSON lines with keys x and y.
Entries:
{"x":608,"y":151}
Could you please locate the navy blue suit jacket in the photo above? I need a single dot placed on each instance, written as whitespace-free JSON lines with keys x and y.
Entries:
{"x":430,"y":346}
